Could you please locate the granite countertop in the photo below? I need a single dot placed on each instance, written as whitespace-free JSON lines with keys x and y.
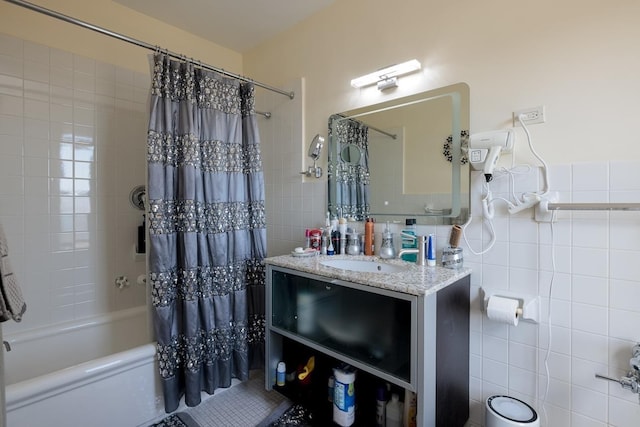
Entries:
{"x":415,"y":280}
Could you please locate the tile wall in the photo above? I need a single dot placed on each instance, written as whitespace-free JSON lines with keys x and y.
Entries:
{"x":293,"y":203}
{"x":592,"y":260}
{"x":72,"y":147}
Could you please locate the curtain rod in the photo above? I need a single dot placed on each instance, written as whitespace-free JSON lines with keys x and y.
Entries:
{"x":139,"y":43}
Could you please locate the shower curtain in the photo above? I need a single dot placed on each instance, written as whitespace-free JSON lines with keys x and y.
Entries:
{"x":207,"y":235}
{"x":352,"y":177}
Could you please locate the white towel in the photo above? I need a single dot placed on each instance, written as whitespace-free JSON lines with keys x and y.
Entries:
{"x":12,"y":305}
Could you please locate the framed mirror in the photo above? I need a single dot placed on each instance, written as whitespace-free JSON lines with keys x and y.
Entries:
{"x":404,"y":158}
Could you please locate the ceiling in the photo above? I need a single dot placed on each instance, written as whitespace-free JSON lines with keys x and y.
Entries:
{"x":235,"y":24}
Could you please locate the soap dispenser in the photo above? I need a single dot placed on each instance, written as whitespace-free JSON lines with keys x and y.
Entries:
{"x":387,"y":251}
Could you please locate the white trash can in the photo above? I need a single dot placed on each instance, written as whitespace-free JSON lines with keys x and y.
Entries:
{"x":506,"y":411}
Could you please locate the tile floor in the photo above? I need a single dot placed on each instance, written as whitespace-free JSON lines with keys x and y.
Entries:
{"x":243,"y":405}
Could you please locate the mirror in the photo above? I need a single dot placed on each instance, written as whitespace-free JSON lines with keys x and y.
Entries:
{"x":404,"y":158}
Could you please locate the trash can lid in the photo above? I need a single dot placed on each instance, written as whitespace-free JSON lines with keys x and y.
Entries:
{"x":512,"y":409}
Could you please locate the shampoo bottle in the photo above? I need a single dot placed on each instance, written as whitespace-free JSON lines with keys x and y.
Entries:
{"x":368,"y":237}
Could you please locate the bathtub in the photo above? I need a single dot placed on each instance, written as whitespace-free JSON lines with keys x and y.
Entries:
{"x":100,"y":372}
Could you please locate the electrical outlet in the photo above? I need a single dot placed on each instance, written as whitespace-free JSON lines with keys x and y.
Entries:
{"x":532,"y":115}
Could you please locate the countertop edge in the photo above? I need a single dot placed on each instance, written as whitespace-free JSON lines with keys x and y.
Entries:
{"x":414,"y":280}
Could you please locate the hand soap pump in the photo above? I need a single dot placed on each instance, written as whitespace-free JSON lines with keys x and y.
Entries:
{"x":387,"y":251}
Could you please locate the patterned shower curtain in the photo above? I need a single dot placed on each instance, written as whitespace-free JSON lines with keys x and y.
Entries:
{"x":207,"y":235}
{"x":351,"y":176}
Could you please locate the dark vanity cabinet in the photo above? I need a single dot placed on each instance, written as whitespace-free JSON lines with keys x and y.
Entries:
{"x":411,"y":342}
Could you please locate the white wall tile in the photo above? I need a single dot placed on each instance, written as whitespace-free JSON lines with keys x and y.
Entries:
{"x":38,"y":163}
{"x":589,"y":318}
{"x":590,"y":177}
{"x":583,"y":421}
{"x":624,"y":175}
{"x":589,"y":403}
{"x":495,"y":348}
{"x":589,"y":346}
{"x":583,"y":375}
{"x":624,"y":324}
{"x":625,"y":265}
{"x":623,"y":413}
{"x":590,"y":290}
{"x":625,"y":295}
{"x":495,"y":372}
{"x":590,"y":261}
{"x":524,"y":255}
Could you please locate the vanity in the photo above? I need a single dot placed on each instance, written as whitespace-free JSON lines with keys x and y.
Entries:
{"x":401,"y":325}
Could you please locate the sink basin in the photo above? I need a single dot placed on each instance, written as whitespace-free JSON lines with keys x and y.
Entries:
{"x":363,"y":266}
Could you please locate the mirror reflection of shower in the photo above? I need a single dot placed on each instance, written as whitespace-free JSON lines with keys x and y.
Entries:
{"x":315,"y":148}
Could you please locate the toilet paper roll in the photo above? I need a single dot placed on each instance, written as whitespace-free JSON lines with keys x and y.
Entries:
{"x":503,"y":310}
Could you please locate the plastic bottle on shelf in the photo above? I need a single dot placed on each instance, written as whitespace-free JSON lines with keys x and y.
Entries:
{"x":394,"y":411}
{"x":280,"y":374}
{"x":381,"y":407}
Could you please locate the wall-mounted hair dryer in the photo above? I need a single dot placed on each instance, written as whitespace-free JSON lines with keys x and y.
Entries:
{"x":485,"y":149}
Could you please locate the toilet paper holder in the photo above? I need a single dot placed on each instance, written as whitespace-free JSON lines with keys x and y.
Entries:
{"x":528,"y":305}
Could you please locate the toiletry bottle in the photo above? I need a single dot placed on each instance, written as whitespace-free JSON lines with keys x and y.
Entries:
{"x":142,"y":241}
{"x":342,"y":229}
{"x":394,"y":411}
{"x":381,"y":407}
{"x":280,"y":374}
{"x":307,"y":238}
{"x":325,"y":241}
{"x":316,"y":239}
{"x":368,"y":237}
{"x":408,"y":243}
{"x":335,"y":240}
{"x":330,"y":249}
{"x":430,"y":253}
{"x":387,"y":251}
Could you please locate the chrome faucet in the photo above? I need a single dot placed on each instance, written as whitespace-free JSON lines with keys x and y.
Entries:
{"x":420,"y":250}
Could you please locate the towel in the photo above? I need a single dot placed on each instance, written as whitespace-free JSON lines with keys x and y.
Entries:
{"x":12,"y":305}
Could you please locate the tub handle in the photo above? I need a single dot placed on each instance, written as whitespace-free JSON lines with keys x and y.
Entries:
{"x":7,"y":346}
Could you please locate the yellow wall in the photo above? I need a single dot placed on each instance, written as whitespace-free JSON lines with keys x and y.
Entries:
{"x":38,"y":28}
{"x":577,"y":57}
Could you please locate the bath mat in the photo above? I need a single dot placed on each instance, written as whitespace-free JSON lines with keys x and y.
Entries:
{"x":177,"y":420}
{"x":287,"y":415}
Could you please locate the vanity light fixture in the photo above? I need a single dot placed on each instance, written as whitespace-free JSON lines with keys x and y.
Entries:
{"x":387,"y":77}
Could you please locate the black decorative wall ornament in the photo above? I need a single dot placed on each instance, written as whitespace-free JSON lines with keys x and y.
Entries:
{"x":464,"y":147}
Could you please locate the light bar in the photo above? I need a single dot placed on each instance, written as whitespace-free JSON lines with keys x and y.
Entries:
{"x":387,"y":73}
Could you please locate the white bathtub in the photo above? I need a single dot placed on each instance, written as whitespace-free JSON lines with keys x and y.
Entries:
{"x":101,"y":372}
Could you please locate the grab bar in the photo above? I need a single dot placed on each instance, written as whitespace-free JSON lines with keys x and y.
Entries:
{"x":593,"y":206}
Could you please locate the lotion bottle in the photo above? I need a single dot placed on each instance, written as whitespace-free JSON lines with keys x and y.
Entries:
{"x":387,"y":251}
{"x":394,"y":411}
